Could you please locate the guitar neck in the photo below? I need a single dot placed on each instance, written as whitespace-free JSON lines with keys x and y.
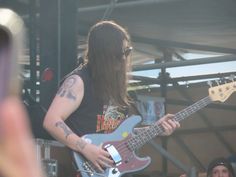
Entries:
{"x":137,"y":141}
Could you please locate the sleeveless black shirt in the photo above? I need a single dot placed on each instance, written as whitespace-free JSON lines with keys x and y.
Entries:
{"x":92,"y":116}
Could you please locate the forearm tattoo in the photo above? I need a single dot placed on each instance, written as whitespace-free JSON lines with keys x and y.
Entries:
{"x":66,"y":88}
{"x":65,"y":128}
{"x":81,"y":144}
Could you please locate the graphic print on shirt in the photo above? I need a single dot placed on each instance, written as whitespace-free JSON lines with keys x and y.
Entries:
{"x":110,"y":119}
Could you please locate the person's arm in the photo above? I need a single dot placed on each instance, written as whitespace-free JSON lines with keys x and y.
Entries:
{"x":67,"y":100}
{"x":17,"y":148}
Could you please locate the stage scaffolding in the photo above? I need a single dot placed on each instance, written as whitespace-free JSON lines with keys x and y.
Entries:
{"x":52,"y":53}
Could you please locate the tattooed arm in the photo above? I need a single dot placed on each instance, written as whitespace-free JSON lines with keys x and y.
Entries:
{"x":67,"y":100}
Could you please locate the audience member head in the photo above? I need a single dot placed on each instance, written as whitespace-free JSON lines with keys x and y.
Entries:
{"x":220,"y":167}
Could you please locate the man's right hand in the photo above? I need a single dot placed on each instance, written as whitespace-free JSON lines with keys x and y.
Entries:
{"x":99,"y":157}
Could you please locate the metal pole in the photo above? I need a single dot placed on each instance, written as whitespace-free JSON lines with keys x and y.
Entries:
{"x":168,"y":156}
{"x":163,"y":76}
{"x":109,"y":10}
{"x":59,"y":46}
{"x":193,"y":172}
{"x":184,"y":45}
{"x":33,"y":47}
{"x":148,"y":80}
{"x":122,"y":4}
{"x":172,"y":64}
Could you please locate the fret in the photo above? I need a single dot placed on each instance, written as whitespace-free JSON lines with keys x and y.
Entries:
{"x":149,"y":135}
{"x":155,"y":131}
{"x":137,"y":141}
{"x":141,"y":140}
{"x":192,"y":109}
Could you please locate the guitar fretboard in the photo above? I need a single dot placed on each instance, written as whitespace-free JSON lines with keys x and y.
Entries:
{"x":137,"y":141}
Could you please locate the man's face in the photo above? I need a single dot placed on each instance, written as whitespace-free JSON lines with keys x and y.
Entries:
{"x":220,"y":171}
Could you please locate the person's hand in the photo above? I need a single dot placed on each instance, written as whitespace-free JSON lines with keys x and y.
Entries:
{"x":99,"y":157}
{"x":169,"y":124}
{"x":17,"y":149}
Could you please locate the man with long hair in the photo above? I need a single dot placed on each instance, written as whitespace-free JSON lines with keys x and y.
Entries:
{"x":93,"y":98}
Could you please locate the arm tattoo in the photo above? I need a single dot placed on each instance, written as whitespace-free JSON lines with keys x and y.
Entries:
{"x":81,"y":144}
{"x":66,"y":89}
{"x":65,"y":128}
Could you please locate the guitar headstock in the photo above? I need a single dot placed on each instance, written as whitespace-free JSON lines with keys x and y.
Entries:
{"x":222,"y":92}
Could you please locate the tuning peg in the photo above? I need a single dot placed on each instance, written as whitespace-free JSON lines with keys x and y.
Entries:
{"x":217,"y":82}
{"x":209,"y":83}
{"x":231,"y":77}
{"x":187,"y":84}
{"x":222,"y":80}
{"x":225,"y":80}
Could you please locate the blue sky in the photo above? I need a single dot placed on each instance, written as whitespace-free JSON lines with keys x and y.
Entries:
{"x":193,"y":70}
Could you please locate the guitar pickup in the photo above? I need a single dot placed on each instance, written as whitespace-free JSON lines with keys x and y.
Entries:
{"x":113,"y":153}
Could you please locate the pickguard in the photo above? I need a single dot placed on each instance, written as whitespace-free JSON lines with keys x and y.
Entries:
{"x":125,"y":160}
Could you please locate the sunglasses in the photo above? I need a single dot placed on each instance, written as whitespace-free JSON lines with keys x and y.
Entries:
{"x":127,"y":51}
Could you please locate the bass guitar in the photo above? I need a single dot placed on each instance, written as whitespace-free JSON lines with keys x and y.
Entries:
{"x":122,"y":143}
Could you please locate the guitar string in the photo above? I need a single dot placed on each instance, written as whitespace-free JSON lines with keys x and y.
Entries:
{"x":178,"y":117}
{"x":93,"y":168}
{"x":158,"y":129}
{"x":130,"y":144}
{"x":182,"y":113}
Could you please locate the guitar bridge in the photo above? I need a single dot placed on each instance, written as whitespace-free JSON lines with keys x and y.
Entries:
{"x":113,"y":153}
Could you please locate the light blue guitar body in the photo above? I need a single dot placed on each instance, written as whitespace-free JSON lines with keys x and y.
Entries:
{"x":125,"y":159}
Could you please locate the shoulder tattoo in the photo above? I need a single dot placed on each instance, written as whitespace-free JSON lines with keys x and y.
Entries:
{"x":66,"y":89}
